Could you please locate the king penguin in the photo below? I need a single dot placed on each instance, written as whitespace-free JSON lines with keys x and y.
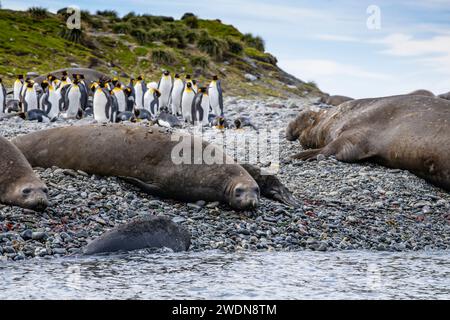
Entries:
{"x":30,"y":100}
{"x":186,"y":102}
{"x":200,"y":107}
{"x":215,"y":96}
{"x":74,"y":96}
{"x":151,"y":99}
{"x":139,"y":90}
{"x":104,"y":110}
{"x":18,"y":84}
{"x":2,"y":97}
{"x":165,"y":86}
{"x":175,"y":95}
{"x":118,"y":94}
{"x":50,"y":100}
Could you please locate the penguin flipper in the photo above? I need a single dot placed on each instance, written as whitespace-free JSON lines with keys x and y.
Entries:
{"x":271,"y":187}
{"x":147,"y":187}
{"x":219,"y":89}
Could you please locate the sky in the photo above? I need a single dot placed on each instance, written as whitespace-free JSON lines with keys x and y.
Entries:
{"x":357,"y":48}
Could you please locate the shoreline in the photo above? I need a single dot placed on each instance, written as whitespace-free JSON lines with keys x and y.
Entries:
{"x":345,"y":206}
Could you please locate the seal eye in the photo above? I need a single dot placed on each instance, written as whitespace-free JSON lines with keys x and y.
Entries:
{"x":238,"y":192}
{"x":26,"y":191}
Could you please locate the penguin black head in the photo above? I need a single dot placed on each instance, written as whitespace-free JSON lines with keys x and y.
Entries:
{"x":158,"y":93}
{"x":188,"y":77}
{"x":140,"y":78}
{"x":115,"y":81}
{"x":177,"y":76}
{"x":30,"y":84}
{"x":81,"y":76}
{"x":1,"y":80}
{"x":75,"y":76}
{"x":127,"y":92}
{"x":203,"y":90}
{"x":166,"y":73}
{"x":194,"y":82}
{"x":64,"y":73}
{"x":63,"y":78}
{"x":215,"y":77}
{"x":189,"y":85}
{"x":51,"y":77}
{"x":20,"y":76}
{"x":76,"y":81}
{"x":117,"y":84}
{"x":44,"y":84}
{"x":102,"y":84}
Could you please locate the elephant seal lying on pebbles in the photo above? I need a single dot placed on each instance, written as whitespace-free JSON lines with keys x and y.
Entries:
{"x":445,"y":96}
{"x":143,"y":156}
{"x":19,"y":185}
{"x":150,"y":232}
{"x":406,"y":132}
{"x":334,"y":100}
{"x":422,"y":92}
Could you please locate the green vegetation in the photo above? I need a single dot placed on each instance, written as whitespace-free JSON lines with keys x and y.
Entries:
{"x":39,"y":41}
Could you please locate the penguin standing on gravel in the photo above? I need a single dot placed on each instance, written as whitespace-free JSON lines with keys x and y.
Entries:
{"x":216,"y":96}
{"x":165,"y":86}
{"x":176,"y":94}
{"x":200,"y":107}
{"x":103,"y":106}
{"x":51,"y":100}
{"x":151,"y":99}
{"x":139,"y":89}
{"x":119,"y":95}
{"x":30,"y":99}
{"x":18,"y":84}
{"x":73,"y":99}
{"x":2,"y":97}
{"x":84,"y":90}
{"x":186,"y":102}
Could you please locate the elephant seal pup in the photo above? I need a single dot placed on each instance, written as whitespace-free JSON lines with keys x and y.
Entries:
{"x":19,"y":185}
{"x":143,"y":156}
{"x":404,"y":132}
{"x":149,"y":232}
{"x":422,"y":92}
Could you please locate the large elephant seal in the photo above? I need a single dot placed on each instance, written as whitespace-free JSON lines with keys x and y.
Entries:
{"x":19,"y":185}
{"x":407,"y":132}
{"x":150,"y":232}
{"x":445,"y":96}
{"x":422,"y":92}
{"x":144,"y":157}
{"x":334,"y":100}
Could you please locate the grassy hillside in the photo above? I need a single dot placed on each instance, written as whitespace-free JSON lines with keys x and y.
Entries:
{"x":39,"y":41}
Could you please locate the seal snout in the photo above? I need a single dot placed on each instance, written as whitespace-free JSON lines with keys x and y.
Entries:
{"x":35,"y":198}
{"x":245,"y":198}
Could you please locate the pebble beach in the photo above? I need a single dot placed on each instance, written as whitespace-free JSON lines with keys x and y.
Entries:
{"x":343,"y":206}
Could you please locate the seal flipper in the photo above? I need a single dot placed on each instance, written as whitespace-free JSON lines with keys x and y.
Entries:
{"x":271,"y":187}
{"x":145,"y":186}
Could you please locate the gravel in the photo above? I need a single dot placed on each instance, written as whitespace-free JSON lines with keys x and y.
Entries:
{"x":344,"y":206}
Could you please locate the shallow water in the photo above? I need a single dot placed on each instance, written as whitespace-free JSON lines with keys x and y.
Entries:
{"x":217,"y":275}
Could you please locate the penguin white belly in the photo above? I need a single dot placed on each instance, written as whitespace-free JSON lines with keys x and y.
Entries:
{"x":74,"y":97}
{"x":31,"y":99}
{"x":2,"y":99}
{"x":17,"y":90}
{"x":186,"y":105}
{"x":148,"y":100}
{"x":100,"y":102}
{"x":53,"y":99}
{"x":176,"y":97}
{"x":121,"y":100}
{"x":214,"y":99}
{"x":205,"y":107}
{"x":164,"y":87}
{"x":138,"y":93}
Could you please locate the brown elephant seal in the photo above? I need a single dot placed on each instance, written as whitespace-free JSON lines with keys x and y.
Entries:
{"x":334,"y":100}
{"x":445,"y":96}
{"x":19,"y":185}
{"x":144,"y":156}
{"x":422,"y":92}
{"x":405,"y":132}
{"x":149,"y":232}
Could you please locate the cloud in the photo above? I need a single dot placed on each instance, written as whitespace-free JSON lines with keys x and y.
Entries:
{"x":335,"y":37}
{"x":315,"y":69}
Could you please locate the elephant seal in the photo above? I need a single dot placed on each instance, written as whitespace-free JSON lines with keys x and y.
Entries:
{"x":19,"y":185}
{"x":445,"y":96}
{"x":405,"y":132}
{"x":422,"y":92}
{"x":145,"y":157}
{"x":150,"y":232}
{"x":334,"y":100}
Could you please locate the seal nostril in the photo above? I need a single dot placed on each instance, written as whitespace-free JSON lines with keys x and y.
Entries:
{"x":45,"y":190}
{"x":26,"y":191}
